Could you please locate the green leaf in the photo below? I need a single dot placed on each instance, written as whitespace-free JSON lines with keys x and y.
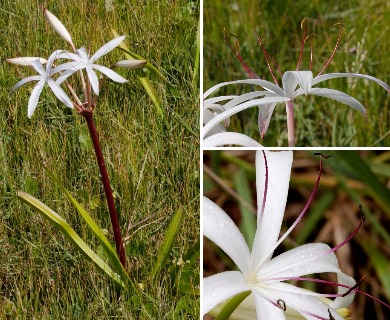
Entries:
{"x":61,"y":224}
{"x":96,"y":230}
{"x":232,"y":305}
{"x":169,"y":240}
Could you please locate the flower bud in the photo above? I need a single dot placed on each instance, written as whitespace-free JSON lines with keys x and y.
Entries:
{"x":25,"y":61}
{"x":58,"y":27}
{"x":130,"y":64}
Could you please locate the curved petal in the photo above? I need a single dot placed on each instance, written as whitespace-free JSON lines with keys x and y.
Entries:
{"x":338,"y":96}
{"x":269,"y":223}
{"x":228,"y":138}
{"x":25,"y":80}
{"x":264,"y":118}
{"x":220,"y":287}
{"x":110,"y":73}
{"x":51,"y":59}
{"x":310,"y":307}
{"x":343,"y":302}
{"x":60,"y":94}
{"x":93,"y":79}
{"x":65,"y":75}
{"x":219,"y":228}
{"x":106,"y":48}
{"x":207,"y":116}
{"x":304,"y":78}
{"x":33,"y":101}
{"x":217,"y":99}
{"x":328,"y":76}
{"x":69,"y":55}
{"x":306,"y":259}
{"x":245,"y":97}
{"x":73,"y":65}
{"x":241,"y":107}
{"x":262,"y":83}
{"x":267,"y":311}
{"x":37,"y":65}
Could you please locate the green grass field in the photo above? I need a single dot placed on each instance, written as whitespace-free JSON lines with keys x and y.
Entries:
{"x":349,"y":179}
{"x":153,"y":163}
{"x":318,"y":121}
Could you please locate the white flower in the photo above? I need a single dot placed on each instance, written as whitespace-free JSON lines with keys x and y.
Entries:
{"x":258,"y":271}
{"x":81,"y":60}
{"x":25,"y":61}
{"x":45,"y":76}
{"x":273,"y":94}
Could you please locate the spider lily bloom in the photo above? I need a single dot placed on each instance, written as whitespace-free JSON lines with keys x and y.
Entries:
{"x":258,"y":272}
{"x":273,"y":94}
{"x":81,"y":60}
{"x":45,"y":76}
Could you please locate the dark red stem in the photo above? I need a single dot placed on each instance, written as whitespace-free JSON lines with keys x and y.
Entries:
{"x":107,"y":188}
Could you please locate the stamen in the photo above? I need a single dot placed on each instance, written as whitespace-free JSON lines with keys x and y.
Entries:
{"x":311,"y":49}
{"x":362,"y":220}
{"x":266,"y":55}
{"x":330,"y":316}
{"x":282,"y":304}
{"x":237,"y":54}
{"x":334,"y":50}
{"x":265,"y":186}
{"x":354,"y":287}
{"x":304,"y":28}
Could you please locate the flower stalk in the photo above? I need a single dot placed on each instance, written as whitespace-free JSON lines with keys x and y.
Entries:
{"x":107,"y":187}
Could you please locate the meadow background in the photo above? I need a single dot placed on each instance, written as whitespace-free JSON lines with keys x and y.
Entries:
{"x":349,"y":178}
{"x":152,"y":160}
{"x":318,"y":121}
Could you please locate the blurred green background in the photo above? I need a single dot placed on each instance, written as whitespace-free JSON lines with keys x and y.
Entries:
{"x":349,"y":178}
{"x":153,"y":162}
{"x":318,"y":121}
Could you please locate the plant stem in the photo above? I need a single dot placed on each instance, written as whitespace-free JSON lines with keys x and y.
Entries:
{"x":290,"y":123}
{"x":107,"y":187}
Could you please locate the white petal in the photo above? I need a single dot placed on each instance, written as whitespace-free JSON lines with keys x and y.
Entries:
{"x":241,"y":107}
{"x":343,"y":302}
{"x":229,"y":138}
{"x":69,"y":55}
{"x":262,"y":83}
{"x":93,"y":79}
{"x":349,"y":75}
{"x":247,"y":96}
{"x":264,"y":117}
{"x":63,"y":76}
{"x":37,"y":65}
{"x":25,"y":61}
{"x":83,"y":55}
{"x":219,"y":228}
{"x":51,"y":59}
{"x":58,"y":26}
{"x":33,"y":101}
{"x":106,"y":48}
{"x":60,"y":94}
{"x":268,"y":225}
{"x":130,"y":64}
{"x":25,"y":80}
{"x":305,"y":304}
{"x":338,"y":96}
{"x":217,"y":99}
{"x":300,"y":261}
{"x":304,"y":78}
{"x":208,"y":116}
{"x":289,"y":82}
{"x":110,"y":73}
{"x":74,"y":66}
{"x":267,"y":311}
{"x":220,"y":287}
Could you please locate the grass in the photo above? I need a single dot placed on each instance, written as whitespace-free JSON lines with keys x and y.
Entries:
{"x":318,"y":121}
{"x":152,"y":162}
{"x":349,"y":178}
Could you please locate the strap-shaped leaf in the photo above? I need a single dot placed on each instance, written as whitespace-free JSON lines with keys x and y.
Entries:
{"x":96,"y":230}
{"x":169,"y":240}
{"x":61,"y":224}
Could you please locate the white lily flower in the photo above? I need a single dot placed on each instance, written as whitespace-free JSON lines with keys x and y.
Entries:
{"x":58,"y":27}
{"x":266,"y":100}
{"x":229,"y":138}
{"x":25,"y":61}
{"x":258,"y":272}
{"x":81,"y":60}
{"x":45,"y":76}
